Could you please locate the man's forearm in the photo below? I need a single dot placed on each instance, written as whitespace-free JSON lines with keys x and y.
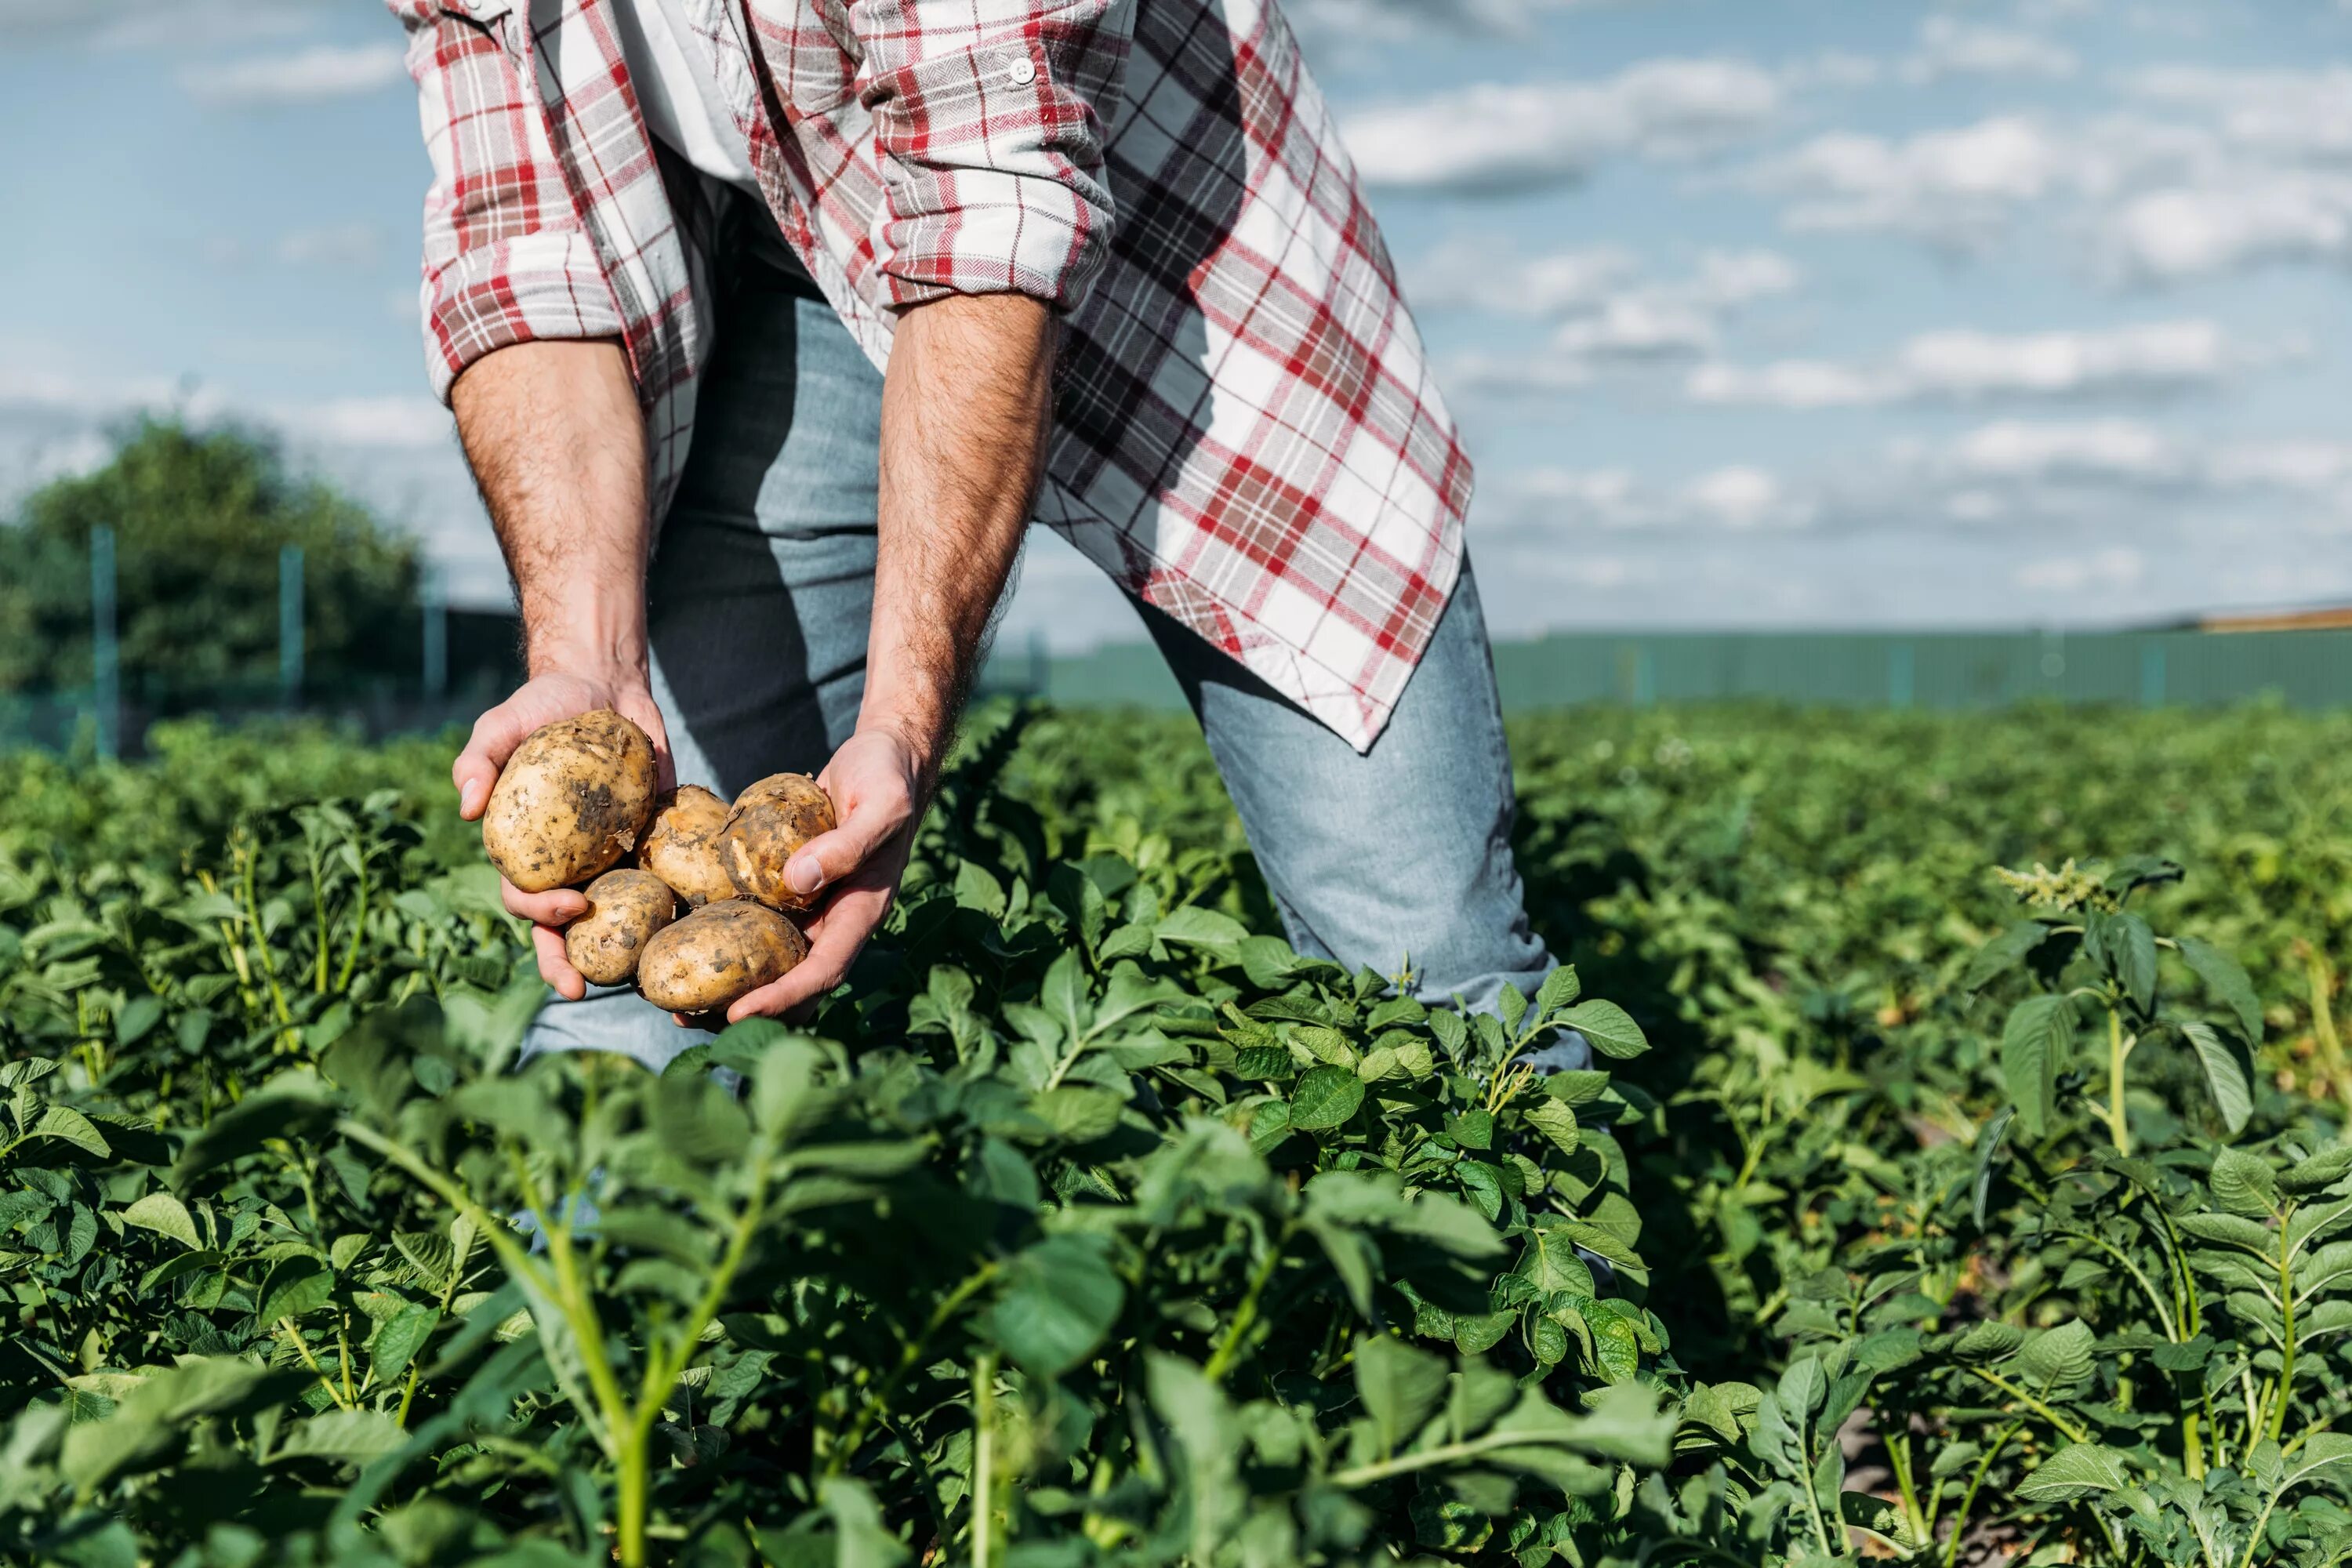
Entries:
{"x":964,"y":415}
{"x":556,"y":443}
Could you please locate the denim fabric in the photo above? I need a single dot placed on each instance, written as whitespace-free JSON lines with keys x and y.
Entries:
{"x":760,"y":594}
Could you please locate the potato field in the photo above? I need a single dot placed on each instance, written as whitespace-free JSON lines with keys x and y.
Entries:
{"x":1962,"y":1179}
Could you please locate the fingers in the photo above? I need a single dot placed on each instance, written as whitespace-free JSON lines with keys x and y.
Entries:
{"x":835,"y":941}
{"x":496,"y":735}
{"x":559,"y":908}
{"x":554,"y":967}
{"x":874,"y":814}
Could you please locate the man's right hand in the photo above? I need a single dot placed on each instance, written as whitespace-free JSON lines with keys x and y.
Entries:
{"x":541,"y":701}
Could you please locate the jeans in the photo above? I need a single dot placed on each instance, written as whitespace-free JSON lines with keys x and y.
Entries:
{"x":760,"y":596}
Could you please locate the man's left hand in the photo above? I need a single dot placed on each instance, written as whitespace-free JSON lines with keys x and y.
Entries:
{"x":878,"y":785}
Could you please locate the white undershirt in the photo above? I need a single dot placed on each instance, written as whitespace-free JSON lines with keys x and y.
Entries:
{"x":677,"y":90}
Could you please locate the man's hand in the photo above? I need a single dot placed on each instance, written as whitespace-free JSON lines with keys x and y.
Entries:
{"x":553,"y":435}
{"x":539,"y":702}
{"x":964,"y":412}
{"x":877,"y":784}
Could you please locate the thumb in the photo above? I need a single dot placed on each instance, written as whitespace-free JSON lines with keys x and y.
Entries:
{"x":873,"y":817}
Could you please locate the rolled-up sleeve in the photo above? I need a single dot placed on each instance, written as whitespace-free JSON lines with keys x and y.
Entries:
{"x":989,"y":118}
{"x":507,"y":259}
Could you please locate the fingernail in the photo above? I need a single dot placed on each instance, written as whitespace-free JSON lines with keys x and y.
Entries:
{"x":805,"y":876}
{"x":470,"y":798}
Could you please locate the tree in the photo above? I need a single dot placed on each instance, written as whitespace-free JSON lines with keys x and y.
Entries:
{"x":199,"y":518}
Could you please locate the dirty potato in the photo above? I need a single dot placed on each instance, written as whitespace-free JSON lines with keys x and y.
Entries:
{"x":772,"y":820}
{"x":624,"y":910}
{"x":681,"y":848}
{"x":571,"y":802}
{"x":716,"y":954}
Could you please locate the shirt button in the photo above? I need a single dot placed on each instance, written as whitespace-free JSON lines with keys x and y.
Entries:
{"x":1020,"y":70}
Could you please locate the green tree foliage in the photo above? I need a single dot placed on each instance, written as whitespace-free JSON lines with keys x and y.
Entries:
{"x":199,"y":518}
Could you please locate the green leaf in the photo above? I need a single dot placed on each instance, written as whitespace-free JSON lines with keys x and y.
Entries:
{"x":1190,"y":923}
{"x":165,"y":1215}
{"x":1560,"y":987}
{"x":399,"y":1339}
{"x":2059,"y":1357}
{"x":1269,"y":1064}
{"x":138,"y":1015}
{"x":2324,"y":1456}
{"x":1400,"y":1386}
{"x":2039,"y":1031}
{"x":2002,"y":953}
{"x":66,"y":1125}
{"x":1058,"y":1299}
{"x":2226,"y":982}
{"x":1325,"y":1097}
{"x":1608,"y":1027}
{"x":863,"y":1538}
{"x":1473,"y":1129}
{"x":1556,"y":1122}
{"x":353,"y":1437}
{"x":296,"y":1285}
{"x":2245,"y":1185}
{"x":1988,"y":1143}
{"x":2229,"y":1073}
{"x":1080,"y":1115}
{"x":2077,"y":1470}
{"x":2131,"y":948}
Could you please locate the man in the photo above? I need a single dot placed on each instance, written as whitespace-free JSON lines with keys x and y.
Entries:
{"x":841,"y":294}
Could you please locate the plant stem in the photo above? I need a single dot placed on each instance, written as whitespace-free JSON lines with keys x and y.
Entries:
{"x":877,"y":1397}
{"x":294,"y":1337}
{"x":2286,"y":1338}
{"x":2118,"y":1123}
{"x":2073,"y":1434}
{"x":984,"y":1455}
{"x":1245,"y":1315}
{"x":1968,"y":1497}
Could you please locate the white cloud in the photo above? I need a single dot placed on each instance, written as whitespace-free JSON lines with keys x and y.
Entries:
{"x":313,"y":74}
{"x":396,"y":423}
{"x":2289,"y":113}
{"x":1493,"y":137}
{"x":2117,"y":566}
{"x":1605,"y":309}
{"x":1948,"y":47}
{"x":2226,"y":224}
{"x":1740,"y":498}
{"x":1964,"y":366}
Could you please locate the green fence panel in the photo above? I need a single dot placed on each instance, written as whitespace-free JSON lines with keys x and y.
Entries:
{"x":1857,"y":670}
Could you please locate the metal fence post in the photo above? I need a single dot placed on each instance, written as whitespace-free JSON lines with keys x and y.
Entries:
{"x":289,"y":624}
{"x":105,"y":652}
{"x":437,"y":631}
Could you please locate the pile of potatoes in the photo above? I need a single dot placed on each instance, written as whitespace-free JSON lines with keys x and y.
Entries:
{"x":576,"y":807}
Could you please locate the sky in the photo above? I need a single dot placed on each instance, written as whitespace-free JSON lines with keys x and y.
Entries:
{"x":1755,"y":313}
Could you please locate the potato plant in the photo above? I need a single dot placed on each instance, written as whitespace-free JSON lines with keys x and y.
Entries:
{"x":1908,"y":1211}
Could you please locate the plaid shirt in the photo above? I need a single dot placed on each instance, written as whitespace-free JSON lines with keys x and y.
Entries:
{"x":1247,"y":433}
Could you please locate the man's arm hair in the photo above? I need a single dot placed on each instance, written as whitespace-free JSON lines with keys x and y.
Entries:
{"x":557,"y":446}
{"x":965,"y":409}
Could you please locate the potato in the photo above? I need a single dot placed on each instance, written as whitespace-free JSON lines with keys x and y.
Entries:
{"x":624,"y":910}
{"x":681,"y":848}
{"x":571,"y":802}
{"x":717,"y":953}
{"x":770,"y":820}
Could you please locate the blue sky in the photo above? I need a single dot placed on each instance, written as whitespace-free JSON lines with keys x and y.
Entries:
{"x":1756,"y":312}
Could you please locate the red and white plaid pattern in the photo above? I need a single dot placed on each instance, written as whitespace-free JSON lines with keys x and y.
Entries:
{"x":1247,"y":433}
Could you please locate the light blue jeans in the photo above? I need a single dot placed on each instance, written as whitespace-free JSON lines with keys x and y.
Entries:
{"x":761,"y":589}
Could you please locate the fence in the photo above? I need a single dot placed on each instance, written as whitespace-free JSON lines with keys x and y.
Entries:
{"x":1949,"y":670}
{"x":1956,"y":670}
